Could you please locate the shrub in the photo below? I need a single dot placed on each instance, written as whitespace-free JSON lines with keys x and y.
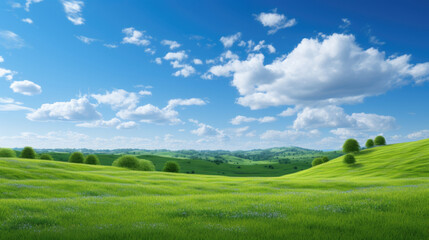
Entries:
{"x":92,"y":159}
{"x":349,"y":159}
{"x":46,"y":156}
{"x":127,"y":161}
{"x":7,"y":152}
{"x":28,"y":152}
{"x":317,"y":161}
{"x":76,"y":157}
{"x":369,"y":143}
{"x":379,"y":140}
{"x":171,"y":166}
{"x":146,"y":165}
{"x":351,"y":145}
{"x":325,"y":159}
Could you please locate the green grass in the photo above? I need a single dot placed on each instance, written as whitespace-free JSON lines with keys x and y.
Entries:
{"x":383,"y":197}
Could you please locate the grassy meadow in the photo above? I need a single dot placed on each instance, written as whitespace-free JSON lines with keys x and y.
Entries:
{"x":383,"y":196}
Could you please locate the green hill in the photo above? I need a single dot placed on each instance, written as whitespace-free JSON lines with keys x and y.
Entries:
{"x":402,"y":160}
{"x":383,"y":197}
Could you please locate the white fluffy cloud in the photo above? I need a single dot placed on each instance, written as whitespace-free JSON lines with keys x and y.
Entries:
{"x":1,"y":59}
{"x":127,"y":125}
{"x":27,"y":20}
{"x":185,"y":71}
{"x":86,"y":40}
{"x":158,"y":60}
{"x":100,"y":123}
{"x":10,"y":39}
{"x":228,"y":41}
{"x":133,"y":36}
{"x":26,"y":87}
{"x":150,"y":114}
{"x":334,"y":70}
{"x":73,"y":9}
{"x":185,"y":102}
{"x":171,"y":44}
{"x":179,"y":56}
{"x":6,"y":73}
{"x":243,"y":119}
{"x":262,"y":45}
{"x":205,"y":130}
{"x":118,"y":99}
{"x":74,"y":110}
{"x":335,"y":117}
{"x":288,"y":112}
{"x":275,"y":21}
{"x":197,"y":61}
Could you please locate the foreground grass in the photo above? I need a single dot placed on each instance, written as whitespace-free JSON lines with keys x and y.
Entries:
{"x":54,"y":200}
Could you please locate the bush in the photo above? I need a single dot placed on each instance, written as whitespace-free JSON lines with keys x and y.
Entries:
{"x":351,"y":145}
{"x":7,"y":152}
{"x":46,"y":156}
{"x":369,"y":143}
{"x":127,"y":161}
{"x":28,"y":152}
{"x":325,"y":159}
{"x":379,"y":140}
{"x":171,"y":166}
{"x":146,"y":165}
{"x":317,"y":161}
{"x":76,"y":157}
{"x":349,"y":159}
{"x":92,"y":159}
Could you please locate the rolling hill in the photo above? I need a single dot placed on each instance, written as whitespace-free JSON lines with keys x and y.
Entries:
{"x":383,"y":197}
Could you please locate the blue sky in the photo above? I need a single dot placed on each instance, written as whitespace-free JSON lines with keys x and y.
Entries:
{"x":212,"y":75}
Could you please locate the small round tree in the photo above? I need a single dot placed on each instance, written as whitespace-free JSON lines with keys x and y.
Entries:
{"x":76,"y":157}
{"x":325,"y":159}
{"x":379,"y":140}
{"x":7,"y":152}
{"x":171,"y":166}
{"x":46,"y":156}
{"x":127,"y":161}
{"x":369,"y":143}
{"x":349,"y":159}
{"x":28,"y":152}
{"x":317,"y":161}
{"x":92,"y":159}
{"x":146,"y":165}
{"x":351,"y":145}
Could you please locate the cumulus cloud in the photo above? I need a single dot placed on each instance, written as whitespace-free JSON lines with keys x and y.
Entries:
{"x":262,"y":45}
{"x":185,"y":71}
{"x":332,"y":70}
{"x":205,"y":130}
{"x":6,"y":73}
{"x":275,"y":21}
{"x":150,"y":114}
{"x":100,"y":123}
{"x":228,"y":41}
{"x":27,"y":20}
{"x":179,"y":56}
{"x":118,"y":99}
{"x":158,"y":60}
{"x":26,"y":87}
{"x":86,"y":40}
{"x":288,"y":112}
{"x":171,"y":44}
{"x":10,"y":40}
{"x":185,"y":102}
{"x":1,"y":59}
{"x":73,"y":11}
{"x":145,"y":93}
{"x":346,"y":23}
{"x":243,"y":119}
{"x":197,"y":61}
{"x":74,"y":110}
{"x":133,"y":36}
{"x":335,"y":117}
{"x":127,"y":125}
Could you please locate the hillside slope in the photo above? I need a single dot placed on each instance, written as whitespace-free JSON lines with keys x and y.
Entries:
{"x":402,"y":160}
